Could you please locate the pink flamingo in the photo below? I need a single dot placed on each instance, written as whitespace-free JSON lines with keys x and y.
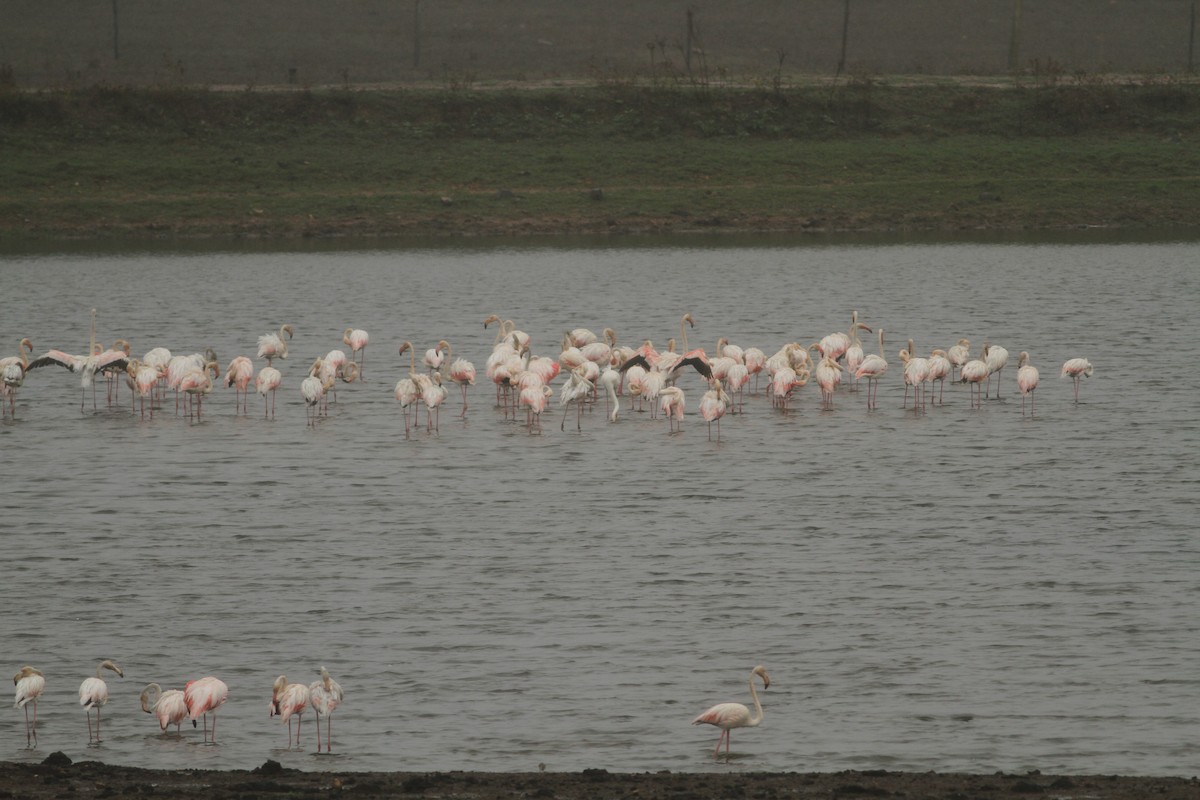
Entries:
{"x":576,"y":390}
{"x":939,"y":368}
{"x":872,"y":367}
{"x":198,"y":384}
{"x":754,"y":359}
{"x":97,"y":360}
{"x":288,"y":699}
{"x":168,"y":707}
{"x":975,"y":372}
{"x":996,"y":358}
{"x":434,"y":396}
{"x":30,"y":684}
{"x":326,"y":695}
{"x":916,"y":373}
{"x":434,"y":357}
{"x":672,"y":402}
{"x":93,"y":693}
{"x":728,"y":716}
{"x":312,"y":389}
{"x":462,"y":372}
{"x":713,"y":405}
{"x":12,"y":373}
{"x":535,"y":397}
{"x":1027,"y":380}
{"x":407,"y":391}
{"x":238,"y":375}
{"x":273,"y":345}
{"x":142,"y":380}
{"x":1077,"y":368}
{"x":958,"y":354}
{"x":202,"y":697}
{"x":828,"y":375}
{"x":268,"y":380}
{"x":356,"y":339}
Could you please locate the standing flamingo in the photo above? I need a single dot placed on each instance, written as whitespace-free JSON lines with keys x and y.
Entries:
{"x":434,"y":395}
{"x":312,"y":390}
{"x":1077,"y":368}
{"x":959,"y":354}
{"x":238,"y":375}
{"x":713,"y":405}
{"x":325,"y":695}
{"x":408,"y":392}
{"x":12,"y":373}
{"x":199,"y":383}
{"x":672,"y":402}
{"x":168,"y":707}
{"x":728,"y":716}
{"x":289,"y":699}
{"x":356,"y":339}
{"x":872,"y":367}
{"x":576,"y":390}
{"x":268,"y":380}
{"x":1027,"y":380}
{"x":828,"y":375}
{"x":273,"y":345}
{"x":462,"y":372}
{"x":916,"y":373}
{"x":96,"y":360}
{"x":203,"y":696}
{"x":93,"y":693}
{"x":142,"y":379}
{"x":434,"y":357}
{"x":996,"y":358}
{"x":30,"y":684}
{"x":939,"y":368}
{"x":975,"y":372}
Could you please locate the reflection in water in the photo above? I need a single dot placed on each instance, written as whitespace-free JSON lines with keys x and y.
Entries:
{"x":955,"y":590}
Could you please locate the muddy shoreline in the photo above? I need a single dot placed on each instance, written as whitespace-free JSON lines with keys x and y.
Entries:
{"x":57,"y":777}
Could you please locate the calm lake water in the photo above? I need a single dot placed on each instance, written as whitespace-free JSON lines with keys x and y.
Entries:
{"x":960,"y":590}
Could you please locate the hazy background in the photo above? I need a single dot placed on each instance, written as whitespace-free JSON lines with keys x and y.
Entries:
{"x":319,"y":42}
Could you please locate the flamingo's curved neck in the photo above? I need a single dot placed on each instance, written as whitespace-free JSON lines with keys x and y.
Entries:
{"x":757,"y":717}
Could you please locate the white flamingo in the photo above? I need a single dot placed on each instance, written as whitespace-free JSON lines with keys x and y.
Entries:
{"x":728,"y":716}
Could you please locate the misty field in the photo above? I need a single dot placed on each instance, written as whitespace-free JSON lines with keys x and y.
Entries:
{"x":254,"y":43}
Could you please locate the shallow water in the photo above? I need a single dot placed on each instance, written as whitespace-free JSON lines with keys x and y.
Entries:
{"x":970,"y":590}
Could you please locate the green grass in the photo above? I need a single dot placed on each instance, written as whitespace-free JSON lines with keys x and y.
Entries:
{"x":867,"y":155}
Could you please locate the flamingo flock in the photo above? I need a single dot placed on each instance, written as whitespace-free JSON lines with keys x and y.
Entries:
{"x":197,"y":701}
{"x":574,"y":372}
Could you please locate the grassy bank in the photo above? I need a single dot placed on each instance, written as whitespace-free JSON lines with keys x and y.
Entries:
{"x":866,"y":154}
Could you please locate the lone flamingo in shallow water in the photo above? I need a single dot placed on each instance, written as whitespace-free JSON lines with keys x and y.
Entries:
{"x":1075,"y":369}
{"x":728,"y":716}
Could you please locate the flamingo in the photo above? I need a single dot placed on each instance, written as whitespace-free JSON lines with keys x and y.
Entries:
{"x":268,"y":380}
{"x":238,"y":375}
{"x":142,"y":379}
{"x":407,"y":392}
{"x":1077,"y":368}
{"x":168,"y":707}
{"x":12,"y":373}
{"x":325,"y":695}
{"x":199,"y":383}
{"x":312,"y":390}
{"x":356,"y":339}
{"x":672,"y":402}
{"x":434,"y":395}
{"x":30,"y":684}
{"x":754,"y":359}
{"x":916,"y":373}
{"x":728,"y":716}
{"x":462,"y":372}
{"x":713,"y":405}
{"x":996,"y":358}
{"x":93,"y":693}
{"x":288,"y":699}
{"x":273,"y":345}
{"x":535,"y":397}
{"x":203,"y":696}
{"x":97,"y":360}
{"x":828,"y":375}
{"x":872,"y":367}
{"x":939,"y":368}
{"x":610,"y":379}
{"x":959,"y":354}
{"x":110,"y":373}
{"x":434,"y":358}
{"x":854,"y":352}
{"x":1027,"y":380}
{"x":575,"y":390}
{"x":975,"y":372}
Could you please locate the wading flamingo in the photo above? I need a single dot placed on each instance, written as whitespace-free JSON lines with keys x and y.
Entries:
{"x":30,"y":684}
{"x":872,"y":367}
{"x":288,"y":699}
{"x":713,"y":405}
{"x":1027,"y":380}
{"x":1075,"y":369}
{"x":93,"y":693}
{"x":975,"y":372}
{"x":672,"y":402}
{"x":12,"y":373}
{"x":356,"y":339}
{"x":728,"y":716}
{"x":576,"y":390}
{"x":202,"y":697}
{"x":168,"y":707}
{"x":268,"y":380}
{"x":325,"y":695}
{"x":273,"y":345}
{"x":995,"y":359}
{"x":238,"y":375}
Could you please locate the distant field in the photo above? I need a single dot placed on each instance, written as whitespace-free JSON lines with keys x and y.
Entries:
{"x":251,"y":43}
